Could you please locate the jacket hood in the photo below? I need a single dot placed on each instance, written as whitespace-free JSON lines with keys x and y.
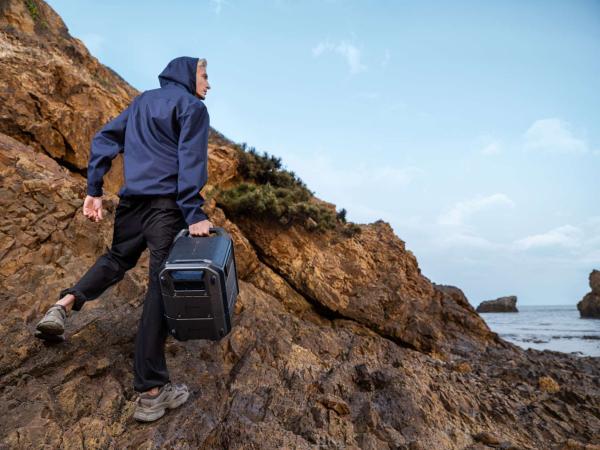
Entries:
{"x":180,"y":71}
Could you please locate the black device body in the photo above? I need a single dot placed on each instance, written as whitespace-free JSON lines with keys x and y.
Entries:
{"x":199,"y":285}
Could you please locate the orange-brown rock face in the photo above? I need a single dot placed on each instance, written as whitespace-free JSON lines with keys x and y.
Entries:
{"x":337,"y":342}
{"x":55,"y":95}
{"x":370,"y":278}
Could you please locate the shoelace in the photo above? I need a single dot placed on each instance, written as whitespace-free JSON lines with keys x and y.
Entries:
{"x":58,"y":308}
{"x":167,"y":388}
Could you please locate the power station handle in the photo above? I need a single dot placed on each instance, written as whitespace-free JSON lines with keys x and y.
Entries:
{"x":186,"y":232}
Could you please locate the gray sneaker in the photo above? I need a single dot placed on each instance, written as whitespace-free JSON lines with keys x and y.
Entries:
{"x":52,"y":325}
{"x":170,"y":396}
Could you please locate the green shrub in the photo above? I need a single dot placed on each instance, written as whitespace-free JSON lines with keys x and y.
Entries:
{"x":270,"y":191}
{"x":265,"y":168}
{"x":286,"y":205}
{"x":33,"y":10}
{"x":351,"y":229}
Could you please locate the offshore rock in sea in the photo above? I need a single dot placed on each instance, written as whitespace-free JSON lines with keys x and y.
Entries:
{"x":595,"y":281}
{"x":502,"y":304}
{"x":589,"y":306}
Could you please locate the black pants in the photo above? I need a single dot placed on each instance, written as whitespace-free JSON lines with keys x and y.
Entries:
{"x":139,"y":223}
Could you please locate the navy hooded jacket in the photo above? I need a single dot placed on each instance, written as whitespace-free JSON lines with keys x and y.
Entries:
{"x":163,"y":135}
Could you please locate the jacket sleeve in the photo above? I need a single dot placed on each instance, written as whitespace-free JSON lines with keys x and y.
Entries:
{"x":193,"y":162}
{"x":106,"y":145}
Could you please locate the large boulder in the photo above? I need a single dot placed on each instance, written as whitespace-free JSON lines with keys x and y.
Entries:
{"x":371,"y":278}
{"x":502,"y":304}
{"x":589,"y":306}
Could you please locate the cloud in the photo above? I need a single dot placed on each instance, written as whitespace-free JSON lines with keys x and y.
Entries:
{"x":348,"y":51}
{"x":325,"y":171}
{"x":368,"y":191}
{"x":553,"y":136}
{"x":566,"y":236}
{"x":456,"y":215}
{"x":493,"y":148}
{"x":568,"y":245}
{"x":466,"y":241}
{"x":218,"y":5}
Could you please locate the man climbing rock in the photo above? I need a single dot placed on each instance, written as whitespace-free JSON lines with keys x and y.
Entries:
{"x":163,"y":135}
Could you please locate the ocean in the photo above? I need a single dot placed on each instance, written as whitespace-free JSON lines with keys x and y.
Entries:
{"x":554,"y":327}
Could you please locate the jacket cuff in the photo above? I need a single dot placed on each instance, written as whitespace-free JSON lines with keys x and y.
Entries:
{"x":195,"y":217}
{"x":94,"y":191}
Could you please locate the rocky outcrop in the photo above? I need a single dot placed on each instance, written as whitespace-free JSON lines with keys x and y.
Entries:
{"x":589,"y":306}
{"x":338,"y":342}
{"x":55,"y":95}
{"x":370,"y":278}
{"x":502,"y":304}
{"x":595,"y":281}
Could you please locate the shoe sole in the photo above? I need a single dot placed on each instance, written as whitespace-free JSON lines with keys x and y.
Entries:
{"x":50,"y":328}
{"x":49,"y":337}
{"x":143,"y":416}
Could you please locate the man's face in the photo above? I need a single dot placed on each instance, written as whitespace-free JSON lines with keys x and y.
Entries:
{"x":202,"y":85}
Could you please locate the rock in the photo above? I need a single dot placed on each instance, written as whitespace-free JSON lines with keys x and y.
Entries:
{"x":502,"y":304}
{"x":589,"y":306}
{"x":55,"y":95}
{"x":572,"y":444}
{"x":595,"y":281}
{"x":463,"y":367}
{"x":487,"y":438}
{"x":335,"y":404}
{"x":337,"y":342}
{"x":344,"y":278}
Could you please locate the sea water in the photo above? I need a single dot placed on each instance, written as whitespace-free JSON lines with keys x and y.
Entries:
{"x":557,"y":328}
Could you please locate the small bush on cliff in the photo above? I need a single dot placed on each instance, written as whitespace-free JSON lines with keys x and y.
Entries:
{"x":266,"y":168}
{"x":270,"y":191}
{"x":33,"y":10}
{"x":285,"y":205}
{"x":350,"y":229}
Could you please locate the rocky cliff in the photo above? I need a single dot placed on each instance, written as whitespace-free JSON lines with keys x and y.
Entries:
{"x":339,"y":340}
{"x":55,"y":95}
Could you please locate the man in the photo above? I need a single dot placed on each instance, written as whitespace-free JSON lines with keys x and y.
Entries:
{"x":163,"y":135}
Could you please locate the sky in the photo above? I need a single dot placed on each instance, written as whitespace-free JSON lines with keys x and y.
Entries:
{"x":472,"y":127}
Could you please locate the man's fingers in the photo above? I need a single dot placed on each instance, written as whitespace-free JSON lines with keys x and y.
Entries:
{"x":199,"y":233}
{"x":90,"y":215}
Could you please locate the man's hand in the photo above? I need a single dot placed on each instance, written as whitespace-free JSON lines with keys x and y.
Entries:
{"x":92,"y":208}
{"x":200,"y":228}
